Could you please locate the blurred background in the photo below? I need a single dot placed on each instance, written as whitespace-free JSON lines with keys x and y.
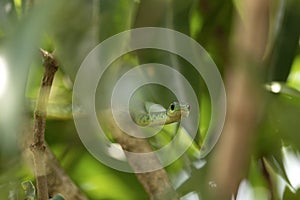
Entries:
{"x":255,"y":45}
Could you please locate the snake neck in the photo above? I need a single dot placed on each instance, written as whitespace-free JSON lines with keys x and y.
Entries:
{"x":151,"y":119}
{"x":154,"y":119}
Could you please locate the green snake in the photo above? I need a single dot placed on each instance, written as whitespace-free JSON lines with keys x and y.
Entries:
{"x":156,"y":115}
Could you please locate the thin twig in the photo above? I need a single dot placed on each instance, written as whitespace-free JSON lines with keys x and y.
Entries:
{"x":38,"y":146}
{"x":58,"y":180}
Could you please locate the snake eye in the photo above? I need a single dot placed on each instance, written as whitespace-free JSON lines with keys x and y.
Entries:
{"x":172,"y":107}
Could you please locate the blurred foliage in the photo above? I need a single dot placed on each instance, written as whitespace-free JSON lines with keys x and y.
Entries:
{"x":72,"y":29}
{"x":29,"y":190}
{"x":286,"y":41}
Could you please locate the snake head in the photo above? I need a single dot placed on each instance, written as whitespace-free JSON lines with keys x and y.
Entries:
{"x":176,"y":110}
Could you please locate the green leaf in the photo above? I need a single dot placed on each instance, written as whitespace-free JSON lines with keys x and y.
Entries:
{"x":286,"y":43}
{"x":291,"y":195}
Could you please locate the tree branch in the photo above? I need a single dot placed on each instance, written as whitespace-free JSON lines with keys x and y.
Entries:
{"x":245,"y":100}
{"x":156,"y":183}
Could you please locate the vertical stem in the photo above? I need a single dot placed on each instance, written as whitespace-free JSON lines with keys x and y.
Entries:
{"x":38,"y":146}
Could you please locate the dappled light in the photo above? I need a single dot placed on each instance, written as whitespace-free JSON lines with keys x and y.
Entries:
{"x":3,"y":76}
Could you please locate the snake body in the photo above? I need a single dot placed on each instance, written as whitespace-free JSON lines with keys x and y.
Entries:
{"x":155,"y":118}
